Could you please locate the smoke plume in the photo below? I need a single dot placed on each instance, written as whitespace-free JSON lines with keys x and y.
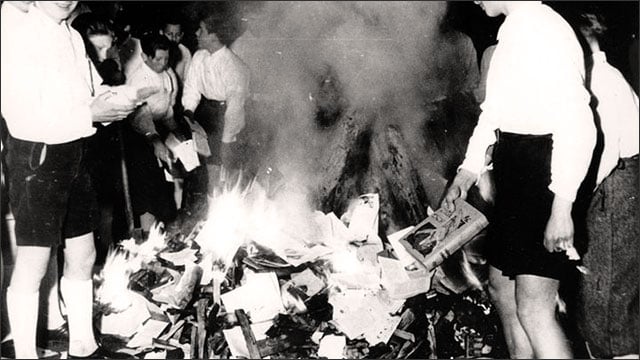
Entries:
{"x":312,"y":61}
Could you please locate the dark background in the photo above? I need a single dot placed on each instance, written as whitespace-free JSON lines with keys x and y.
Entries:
{"x":621,"y":18}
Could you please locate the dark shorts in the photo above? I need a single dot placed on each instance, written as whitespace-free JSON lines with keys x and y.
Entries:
{"x":522,"y":173}
{"x":50,"y":191}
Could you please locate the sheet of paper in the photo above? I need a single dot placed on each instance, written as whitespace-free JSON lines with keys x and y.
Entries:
{"x":365,"y":313}
{"x":259,"y":297}
{"x":405,"y":258}
{"x":182,"y":257}
{"x":144,"y":337}
{"x":332,"y":347}
{"x":126,"y":323}
{"x":309,"y":281}
{"x":187,"y":153}
{"x":236,"y":342}
{"x":199,"y":137}
{"x":364,"y":219}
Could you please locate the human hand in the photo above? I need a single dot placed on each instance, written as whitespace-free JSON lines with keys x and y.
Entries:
{"x":102,"y":110}
{"x":458,"y":189}
{"x":558,"y":235}
{"x":162,"y":152}
{"x":195,"y":127}
{"x":145,"y":92}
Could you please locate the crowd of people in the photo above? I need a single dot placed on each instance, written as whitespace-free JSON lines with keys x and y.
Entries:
{"x":89,"y":108}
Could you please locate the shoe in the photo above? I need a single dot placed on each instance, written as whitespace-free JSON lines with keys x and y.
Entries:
{"x":102,"y":353}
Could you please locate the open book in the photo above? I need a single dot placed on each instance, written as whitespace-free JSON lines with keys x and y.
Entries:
{"x":443,"y":233}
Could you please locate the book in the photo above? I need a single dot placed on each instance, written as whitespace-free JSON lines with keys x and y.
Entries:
{"x":443,"y":233}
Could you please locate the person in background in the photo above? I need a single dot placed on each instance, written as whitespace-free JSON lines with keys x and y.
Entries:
{"x":537,"y":114}
{"x":148,"y":127}
{"x":98,"y":35}
{"x":215,"y":92}
{"x":104,"y":147}
{"x":608,"y":296}
{"x":172,"y":30}
{"x":180,"y":59}
{"x":50,"y":95}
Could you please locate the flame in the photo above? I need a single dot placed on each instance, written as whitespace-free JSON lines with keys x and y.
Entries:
{"x":238,"y":215}
{"x":145,"y":252}
{"x":154,"y":244}
{"x":345,"y":261}
{"x":224,"y":231}
{"x":114,"y":290}
{"x":123,"y":261}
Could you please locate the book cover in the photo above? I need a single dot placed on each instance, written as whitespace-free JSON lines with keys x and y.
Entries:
{"x":443,"y":233}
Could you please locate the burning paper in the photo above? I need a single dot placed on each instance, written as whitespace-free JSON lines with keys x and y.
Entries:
{"x":127,"y":322}
{"x":350,"y":271}
{"x":146,"y":251}
{"x":144,"y":336}
{"x":362,"y":217}
{"x":293,"y":298}
{"x":185,"y":256}
{"x":308,"y":282}
{"x":332,"y":347}
{"x":224,"y":231}
{"x":236,"y":341}
{"x":400,"y":283}
{"x":259,"y":297}
{"x":113,"y":291}
{"x":365,"y":313}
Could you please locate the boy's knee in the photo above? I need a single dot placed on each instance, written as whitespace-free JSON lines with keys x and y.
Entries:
{"x":82,"y":263}
{"x":500,"y":294}
{"x":532,"y":313}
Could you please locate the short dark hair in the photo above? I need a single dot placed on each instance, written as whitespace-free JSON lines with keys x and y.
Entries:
{"x":152,"y":42}
{"x":594,"y":21}
{"x":90,"y":24}
{"x":173,"y":19}
{"x":221,"y":26}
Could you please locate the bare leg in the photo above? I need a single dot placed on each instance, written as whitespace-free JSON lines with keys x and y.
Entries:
{"x":22,"y":297}
{"x":536,"y":299}
{"x":49,"y":289}
{"x":77,"y":291}
{"x":503,"y":295}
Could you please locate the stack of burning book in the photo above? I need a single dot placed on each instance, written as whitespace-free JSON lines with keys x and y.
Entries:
{"x":242,"y":283}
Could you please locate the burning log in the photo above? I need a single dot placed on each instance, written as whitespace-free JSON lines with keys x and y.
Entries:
{"x":333,"y":162}
{"x":389,"y":150}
